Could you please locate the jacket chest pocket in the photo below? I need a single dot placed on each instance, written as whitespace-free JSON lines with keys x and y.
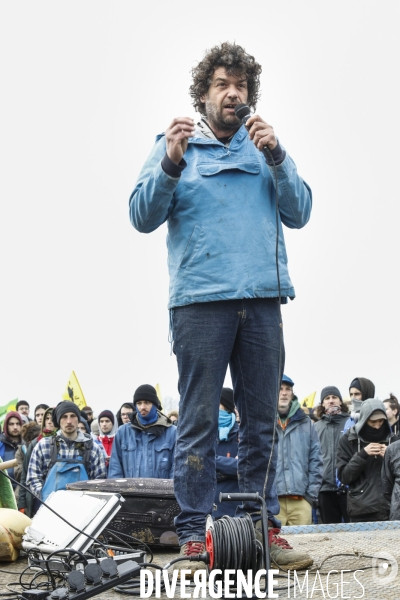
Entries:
{"x":129,"y":452}
{"x":163,"y":459}
{"x":249,"y":166}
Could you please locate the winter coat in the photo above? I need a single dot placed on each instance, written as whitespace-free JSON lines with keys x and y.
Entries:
{"x":362,"y":472}
{"x":391,"y":479}
{"x":221,"y":218}
{"x":139,"y":452}
{"x":299,"y":466}
{"x":41,"y":457}
{"x":7,"y":452}
{"x":25,"y":499}
{"x":330,"y":429}
{"x":227,"y":476}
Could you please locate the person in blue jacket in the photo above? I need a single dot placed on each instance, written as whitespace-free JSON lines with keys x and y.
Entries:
{"x":225,"y":200}
{"x":145,"y":447}
{"x":300,"y":466}
{"x":227,"y":454}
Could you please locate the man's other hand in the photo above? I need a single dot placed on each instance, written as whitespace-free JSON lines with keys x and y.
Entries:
{"x":177,"y":135}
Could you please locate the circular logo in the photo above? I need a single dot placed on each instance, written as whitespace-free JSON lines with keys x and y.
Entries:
{"x":384,"y":568}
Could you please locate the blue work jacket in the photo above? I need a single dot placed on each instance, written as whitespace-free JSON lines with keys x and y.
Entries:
{"x":300,"y":467}
{"x":221,"y":215}
{"x":138,"y":453}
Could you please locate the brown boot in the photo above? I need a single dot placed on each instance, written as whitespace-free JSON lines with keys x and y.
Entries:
{"x":191,"y":549}
{"x":281,"y":553}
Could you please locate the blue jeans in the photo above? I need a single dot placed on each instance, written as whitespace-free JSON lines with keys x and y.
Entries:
{"x":247,"y":335}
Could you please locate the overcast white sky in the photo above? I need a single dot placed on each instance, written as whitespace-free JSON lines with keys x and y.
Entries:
{"x":85,"y":87}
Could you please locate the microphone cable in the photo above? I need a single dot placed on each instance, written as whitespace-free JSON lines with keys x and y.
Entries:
{"x":242,"y":111}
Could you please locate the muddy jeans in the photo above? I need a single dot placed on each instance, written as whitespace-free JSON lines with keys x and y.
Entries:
{"x":246,"y":334}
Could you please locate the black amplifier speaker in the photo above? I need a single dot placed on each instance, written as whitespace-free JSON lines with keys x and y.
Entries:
{"x":148,"y":510}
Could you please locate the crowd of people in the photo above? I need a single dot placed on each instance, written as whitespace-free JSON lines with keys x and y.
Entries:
{"x":336,"y":463}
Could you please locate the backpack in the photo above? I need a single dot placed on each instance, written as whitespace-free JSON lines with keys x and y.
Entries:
{"x":63,"y":471}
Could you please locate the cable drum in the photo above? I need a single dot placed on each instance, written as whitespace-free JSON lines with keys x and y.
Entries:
{"x":231,"y":544}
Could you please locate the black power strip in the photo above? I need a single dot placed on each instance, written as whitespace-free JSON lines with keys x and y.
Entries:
{"x":95,"y":579}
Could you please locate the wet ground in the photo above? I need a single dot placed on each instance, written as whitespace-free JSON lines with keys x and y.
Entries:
{"x":347,"y":564}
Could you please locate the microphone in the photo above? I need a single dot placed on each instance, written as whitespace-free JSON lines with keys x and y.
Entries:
{"x":242,"y":111}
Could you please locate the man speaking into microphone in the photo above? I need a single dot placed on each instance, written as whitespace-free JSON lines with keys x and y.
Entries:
{"x":225,"y":190}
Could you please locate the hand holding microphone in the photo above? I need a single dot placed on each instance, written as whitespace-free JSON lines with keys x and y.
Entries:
{"x":260,"y":131}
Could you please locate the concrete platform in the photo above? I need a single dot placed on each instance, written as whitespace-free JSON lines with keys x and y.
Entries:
{"x":337,"y":550}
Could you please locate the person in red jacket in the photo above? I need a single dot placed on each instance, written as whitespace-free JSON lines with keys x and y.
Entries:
{"x":108,"y":428}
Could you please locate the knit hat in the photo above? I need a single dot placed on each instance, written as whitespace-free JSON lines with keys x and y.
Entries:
{"x":356,"y":384}
{"x":227,"y":399}
{"x":331,"y":390}
{"x":146,"y":392}
{"x":287,"y":380}
{"x":107,"y":414}
{"x":62,"y":408}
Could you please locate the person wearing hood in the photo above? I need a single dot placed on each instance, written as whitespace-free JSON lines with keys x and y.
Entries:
{"x":299,"y":465}
{"x":227,"y":453}
{"x":125,"y":413}
{"x":70,"y":443}
{"x":108,"y":428}
{"x":88,"y":414}
{"x":144,"y":447}
{"x":360,"y":389}
{"x":25,"y":499}
{"x":360,"y":456}
{"x":10,"y":439}
{"x":332,"y":415}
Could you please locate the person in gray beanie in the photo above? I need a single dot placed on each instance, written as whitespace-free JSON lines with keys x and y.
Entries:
{"x":68,"y":447}
{"x":332,"y":414}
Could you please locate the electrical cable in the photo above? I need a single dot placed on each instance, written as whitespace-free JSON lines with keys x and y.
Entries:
{"x":119,"y":533}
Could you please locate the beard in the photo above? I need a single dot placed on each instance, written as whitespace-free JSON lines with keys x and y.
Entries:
{"x":215,"y":117}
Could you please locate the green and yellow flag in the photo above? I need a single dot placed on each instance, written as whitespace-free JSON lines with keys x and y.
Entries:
{"x":6,"y":408}
{"x":74,"y":392}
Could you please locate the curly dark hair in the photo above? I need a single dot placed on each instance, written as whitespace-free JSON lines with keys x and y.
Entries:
{"x":236,"y":61}
{"x":320,"y":410}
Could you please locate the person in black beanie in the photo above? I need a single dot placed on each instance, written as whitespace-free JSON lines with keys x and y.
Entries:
{"x":152,"y":437}
{"x":359,"y":462}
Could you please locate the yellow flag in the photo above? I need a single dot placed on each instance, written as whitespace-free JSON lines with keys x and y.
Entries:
{"x":73,"y":392}
{"x":309,"y":400}
{"x":158,"y":390}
